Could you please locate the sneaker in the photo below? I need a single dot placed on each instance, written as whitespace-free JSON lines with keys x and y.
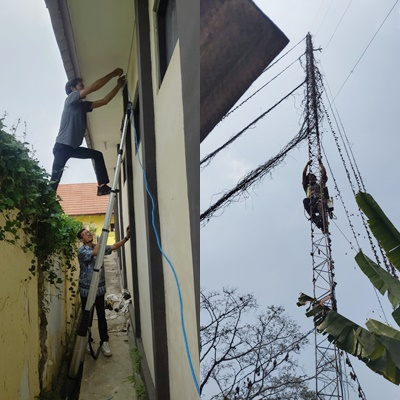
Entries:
{"x":105,"y":349}
{"x":88,"y":348}
{"x":103,"y":190}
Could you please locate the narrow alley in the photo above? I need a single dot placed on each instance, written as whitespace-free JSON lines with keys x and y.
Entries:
{"x":111,"y":377}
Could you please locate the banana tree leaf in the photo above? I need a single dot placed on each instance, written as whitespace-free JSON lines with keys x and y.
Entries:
{"x":380,"y":278}
{"x":304,"y":299}
{"x":315,"y":309}
{"x":388,"y":336}
{"x":380,"y":328}
{"x":379,"y":349}
{"x":382,"y":228}
{"x":396,"y":315}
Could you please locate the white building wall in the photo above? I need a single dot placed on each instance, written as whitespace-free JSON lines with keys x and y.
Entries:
{"x":143,"y":263}
{"x":174,"y":222}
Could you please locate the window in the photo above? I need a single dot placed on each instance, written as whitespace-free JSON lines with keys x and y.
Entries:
{"x":167,"y":21}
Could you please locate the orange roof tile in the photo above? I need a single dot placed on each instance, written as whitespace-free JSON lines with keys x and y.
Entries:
{"x":82,"y":199}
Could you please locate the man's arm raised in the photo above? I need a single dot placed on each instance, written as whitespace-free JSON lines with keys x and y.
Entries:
{"x":324,"y":177}
{"x":100,"y":83}
{"x":116,"y":245}
{"x":106,"y":99}
{"x":304,"y":175}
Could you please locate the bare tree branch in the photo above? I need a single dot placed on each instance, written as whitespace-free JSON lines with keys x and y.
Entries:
{"x":249,"y":356}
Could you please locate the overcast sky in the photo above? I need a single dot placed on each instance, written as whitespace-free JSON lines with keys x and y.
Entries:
{"x":262,"y":243}
{"x":32,"y":81}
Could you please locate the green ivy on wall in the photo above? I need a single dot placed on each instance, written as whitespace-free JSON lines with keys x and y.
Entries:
{"x":30,"y":205}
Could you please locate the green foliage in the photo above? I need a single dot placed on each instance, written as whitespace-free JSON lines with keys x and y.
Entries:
{"x":135,"y":357}
{"x":136,"y":378}
{"x":378,"y":345}
{"x":30,"y":205}
{"x":382,"y":228}
{"x":49,"y":394}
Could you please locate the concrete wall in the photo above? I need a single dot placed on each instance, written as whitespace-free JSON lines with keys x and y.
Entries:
{"x":94,"y":37}
{"x":21,"y":336}
{"x":174,"y":219}
{"x":174,"y":222}
{"x":19,"y":332}
{"x":139,"y":225}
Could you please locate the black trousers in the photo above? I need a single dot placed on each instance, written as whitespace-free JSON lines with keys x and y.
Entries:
{"x":101,"y":317}
{"x":311,"y":206}
{"x":62,"y":153}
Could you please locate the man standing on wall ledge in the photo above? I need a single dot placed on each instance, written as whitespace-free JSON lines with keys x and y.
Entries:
{"x":73,"y":128}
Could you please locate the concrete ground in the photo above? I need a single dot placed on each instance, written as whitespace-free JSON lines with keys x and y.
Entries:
{"x":110,"y":378}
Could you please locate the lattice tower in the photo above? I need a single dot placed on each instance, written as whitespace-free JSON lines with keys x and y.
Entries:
{"x":328,"y":363}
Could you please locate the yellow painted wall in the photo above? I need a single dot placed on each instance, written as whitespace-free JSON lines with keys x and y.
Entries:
{"x":62,"y":316}
{"x":19,"y":334}
{"x":19,"y":327}
{"x":98,"y":221}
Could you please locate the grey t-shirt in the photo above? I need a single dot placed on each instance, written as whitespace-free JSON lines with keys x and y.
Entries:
{"x":73,"y":120}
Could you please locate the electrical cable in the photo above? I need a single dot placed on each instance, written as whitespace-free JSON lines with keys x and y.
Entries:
{"x":341,"y":128}
{"x":283,"y":55}
{"x":361,"y":187}
{"x":258,"y":90}
{"x":323,"y":19}
{"x":317,"y":14}
{"x":373,"y":37}
{"x":255,"y":175}
{"x":182,"y":317}
{"x":348,"y":214}
{"x":337,"y":26}
{"x":207,"y":159}
{"x":266,"y":69}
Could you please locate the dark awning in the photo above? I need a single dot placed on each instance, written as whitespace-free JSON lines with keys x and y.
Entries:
{"x":237,"y":42}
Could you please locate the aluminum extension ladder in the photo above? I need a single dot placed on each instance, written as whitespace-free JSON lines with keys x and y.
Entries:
{"x":82,"y":335}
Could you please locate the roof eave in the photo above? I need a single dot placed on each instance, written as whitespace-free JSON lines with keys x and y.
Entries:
{"x":60,"y":20}
{"x":231,"y":63}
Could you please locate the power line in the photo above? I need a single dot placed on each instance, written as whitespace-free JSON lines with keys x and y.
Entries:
{"x":210,"y":156}
{"x":258,"y":90}
{"x":323,"y":19}
{"x":337,"y":26}
{"x":373,"y":37}
{"x":265,"y":70}
{"x":283,"y":55}
{"x":254,"y":175}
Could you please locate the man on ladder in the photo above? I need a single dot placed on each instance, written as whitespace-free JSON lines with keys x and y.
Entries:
{"x":85,"y":323}
{"x":73,"y":128}
{"x":317,"y":195}
{"x":87,"y":260}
